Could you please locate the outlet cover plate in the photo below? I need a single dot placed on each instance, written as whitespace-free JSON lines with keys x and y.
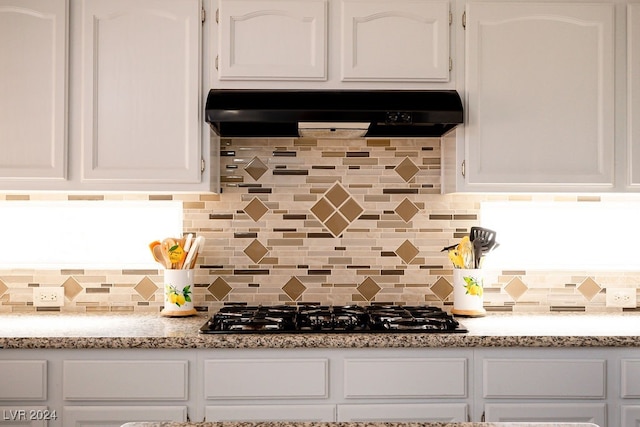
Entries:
{"x":621,"y":297}
{"x":48,"y":296}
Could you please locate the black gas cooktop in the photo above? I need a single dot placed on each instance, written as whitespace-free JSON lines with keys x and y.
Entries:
{"x":311,"y":318}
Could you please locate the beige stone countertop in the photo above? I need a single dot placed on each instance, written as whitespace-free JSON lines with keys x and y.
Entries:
{"x":66,"y":330}
{"x":354,"y":424}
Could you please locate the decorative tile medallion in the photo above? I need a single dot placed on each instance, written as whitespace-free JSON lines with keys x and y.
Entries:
{"x":256,"y":251}
{"x":72,"y":288}
{"x":407,"y":251}
{"x":589,"y":288}
{"x":516,"y":288}
{"x":368,"y":288}
{"x":407,"y":169}
{"x":294,"y":288}
{"x":256,"y":209}
{"x":146,"y":288}
{"x":336,"y":210}
{"x":256,"y":168}
{"x":406,"y":210}
{"x":442,"y":288}
{"x":219,"y":289}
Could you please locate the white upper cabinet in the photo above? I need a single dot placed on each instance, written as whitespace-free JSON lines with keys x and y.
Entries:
{"x":633,"y":91}
{"x":395,"y":40}
{"x":332,"y":43}
{"x":539,"y":96}
{"x":272,"y":40}
{"x":33,"y":92}
{"x":140,"y":94}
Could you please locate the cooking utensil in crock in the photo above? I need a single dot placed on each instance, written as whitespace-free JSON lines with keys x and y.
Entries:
{"x":487,"y":238}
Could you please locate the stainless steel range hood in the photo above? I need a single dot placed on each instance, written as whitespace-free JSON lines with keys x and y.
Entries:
{"x":381,"y":113}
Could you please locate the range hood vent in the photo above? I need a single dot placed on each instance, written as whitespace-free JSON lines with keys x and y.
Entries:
{"x":381,"y":113}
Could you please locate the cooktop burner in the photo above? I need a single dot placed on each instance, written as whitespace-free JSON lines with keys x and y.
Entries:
{"x":311,"y":318}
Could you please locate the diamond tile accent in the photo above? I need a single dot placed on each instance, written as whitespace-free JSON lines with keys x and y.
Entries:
{"x":407,"y":210}
{"x":256,"y":251}
{"x":294,"y":288}
{"x":256,"y":168}
{"x":72,"y":288}
{"x":3,"y":288}
{"x":516,"y":288}
{"x":337,"y":195}
{"x":336,"y":224}
{"x":351,"y":210}
{"x":146,"y":288}
{"x":336,"y":210}
{"x":256,"y":209}
{"x":322,"y":209}
{"x":589,"y":288}
{"x":407,"y":169}
{"x":219,"y":289}
{"x":442,"y":288}
{"x":368,"y":288}
{"x":407,"y":251}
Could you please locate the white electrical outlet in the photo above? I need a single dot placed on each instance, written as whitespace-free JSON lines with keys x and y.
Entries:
{"x":48,"y":297}
{"x":621,"y":297}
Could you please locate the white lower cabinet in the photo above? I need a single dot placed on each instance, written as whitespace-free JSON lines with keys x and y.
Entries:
{"x":534,"y":385}
{"x":110,"y":387}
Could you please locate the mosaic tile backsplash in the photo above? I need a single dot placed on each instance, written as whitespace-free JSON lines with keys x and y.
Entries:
{"x":333,"y":221}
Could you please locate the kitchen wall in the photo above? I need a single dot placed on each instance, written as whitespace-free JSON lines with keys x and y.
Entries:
{"x":335,"y":221}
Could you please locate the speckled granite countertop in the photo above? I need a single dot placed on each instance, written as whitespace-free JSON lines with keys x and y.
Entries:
{"x":356,"y":424}
{"x":61,"y":330}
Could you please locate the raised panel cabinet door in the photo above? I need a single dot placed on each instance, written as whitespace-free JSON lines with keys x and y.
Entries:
{"x":140,"y":113}
{"x":116,"y":416}
{"x":403,"y":412}
{"x":633,"y":91}
{"x":540,"y":96}
{"x":630,"y":415}
{"x":28,"y":379}
{"x":290,"y":413}
{"x":272,"y":40}
{"x":266,"y":379}
{"x":391,"y":40}
{"x":33,"y":89}
{"x":405,"y":378}
{"x":595,"y":413}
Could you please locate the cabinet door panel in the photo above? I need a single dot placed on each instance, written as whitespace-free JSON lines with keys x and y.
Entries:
{"x":33,"y":91}
{"x":125,"y":380}
{"x":266,"y":379}
{"x":28,"y":379}
{"x":405,"y":378}
{"x":540,"y":95}
{"x":272,"y":40}
{"x":544,"y":378}
{"x":399,"y":40}
{"x":141,"y":91}
{"x":548,"y":412}
{"x":299,"y":413}
{"x":116,"y":416}
{"x":409,"y":412}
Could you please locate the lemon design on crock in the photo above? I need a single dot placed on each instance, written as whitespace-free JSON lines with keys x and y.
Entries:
{"x":472,"y":286}
{"x":179,"y":298}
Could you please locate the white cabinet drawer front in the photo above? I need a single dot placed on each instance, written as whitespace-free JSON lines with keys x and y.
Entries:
{"x":630,"y":381}
{"x":410,"y":412}
{"x":405,"y":378}
{"x":548,"y":412}
{"x":125,"y":379}
{"x":28,"y":380}
{"x":544,"y":378}
{"x":115,"y":416}
{"x":260,"y":378}
{"x":301,"y":413}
